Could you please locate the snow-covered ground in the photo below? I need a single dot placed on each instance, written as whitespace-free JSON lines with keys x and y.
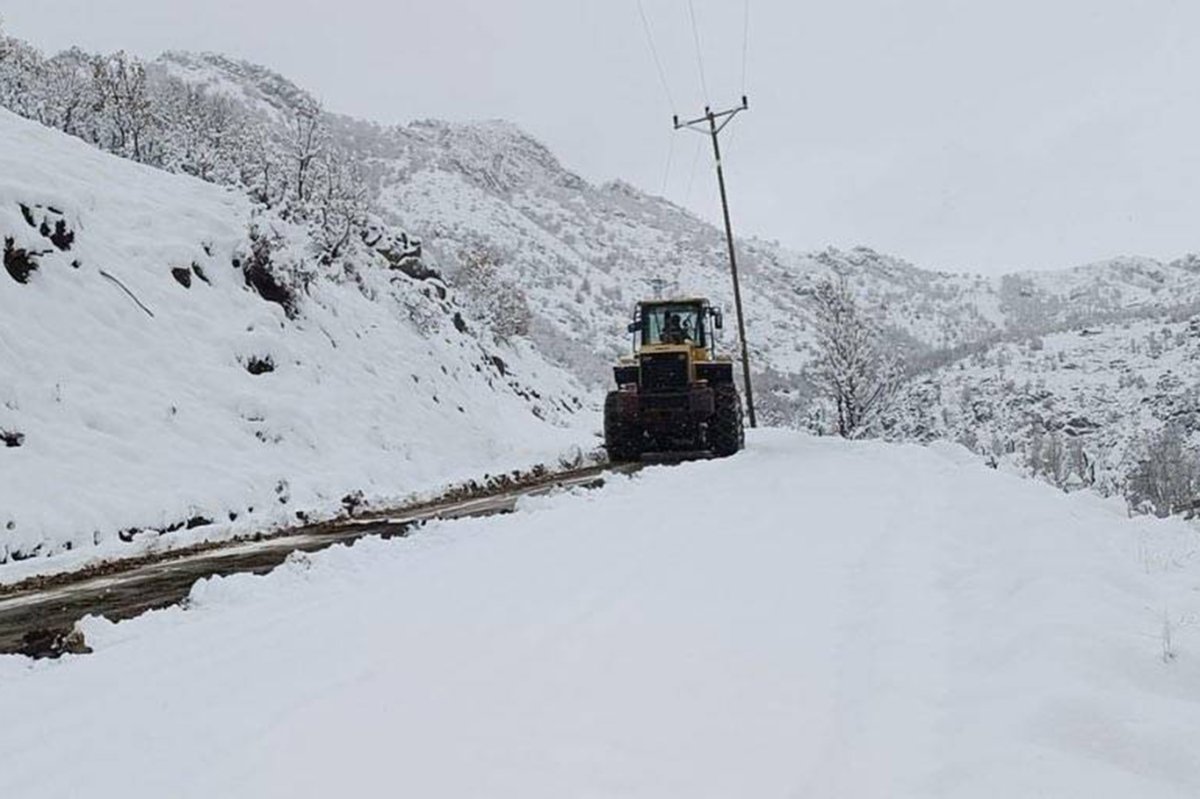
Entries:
{"x":134,"y":404}
{"x":810,"y":618}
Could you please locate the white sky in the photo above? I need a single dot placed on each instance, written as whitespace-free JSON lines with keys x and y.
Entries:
{"x":962,"y":135}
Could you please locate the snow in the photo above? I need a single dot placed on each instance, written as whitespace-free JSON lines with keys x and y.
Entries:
{"x":1102,"y":388}
{"x":132,"y":421}
{"x":810,"y":618}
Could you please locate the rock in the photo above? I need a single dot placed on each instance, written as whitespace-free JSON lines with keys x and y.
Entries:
{"x":54,"y":643}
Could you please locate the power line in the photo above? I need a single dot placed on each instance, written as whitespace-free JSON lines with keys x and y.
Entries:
{"x":687,"y":197}
{"x":699,"y":53}
{"x":745,"y":40}
{"x":729,"y":142}
{"x":662,"y":75}
{"x":667,"y":171}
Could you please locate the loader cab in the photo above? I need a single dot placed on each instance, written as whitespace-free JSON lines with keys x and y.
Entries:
{"x":674,"y":323}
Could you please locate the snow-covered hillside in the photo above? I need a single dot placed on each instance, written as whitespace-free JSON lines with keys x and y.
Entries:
{"x":489,"y":194}
{"x":147,"y":386}
{"x":1113,"y":290}
{"x":538,"y":257}
{"x":890,"y":621}
{"x":1079,"y":408}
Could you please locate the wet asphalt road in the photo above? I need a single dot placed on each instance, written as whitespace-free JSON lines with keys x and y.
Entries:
{"x":36,"y":621}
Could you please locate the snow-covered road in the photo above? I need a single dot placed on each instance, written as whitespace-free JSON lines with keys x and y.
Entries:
{"x":810,"y":618}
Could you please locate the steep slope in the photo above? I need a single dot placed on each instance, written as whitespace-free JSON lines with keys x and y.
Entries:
{"x":891,"y":621}
{"x":147,"y":384}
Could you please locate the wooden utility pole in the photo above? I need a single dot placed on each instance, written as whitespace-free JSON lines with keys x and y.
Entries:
{"x":709,"y":121}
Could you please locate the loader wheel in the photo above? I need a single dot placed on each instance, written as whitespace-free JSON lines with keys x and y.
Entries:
{"x":622,"y":439}
{"x":725,"y":432}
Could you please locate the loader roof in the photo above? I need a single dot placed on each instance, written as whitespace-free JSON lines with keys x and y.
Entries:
{"x":676,"y":301}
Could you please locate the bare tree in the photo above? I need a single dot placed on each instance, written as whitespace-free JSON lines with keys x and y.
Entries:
{"x":1055,"y":463}
{"x":342,"y":202}
{"x":1080,"y":463}
{"x":70,"y":94}
{"x":1165,"y":477}
{"x":206,"y":135}
{"x":854,"y":368}
{"x":307,"y":140}
{"x":21,"y":70}
{"x":124,"y":99}
{"x":264,"y":167}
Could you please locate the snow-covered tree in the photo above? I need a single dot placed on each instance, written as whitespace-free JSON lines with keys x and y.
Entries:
{"x":854,"y":368}
{"x":125,"y":104}
{"x":492,"y":299}
{"x":264,"y":169}
{"x":204,"y":135}
{"x":69,"y":94}
{"x":341,"y":203}
{"x":1056,"y":466}
{"x":1166,"y":476}
{"x":21,"y":75}
{"x":307,"y":139}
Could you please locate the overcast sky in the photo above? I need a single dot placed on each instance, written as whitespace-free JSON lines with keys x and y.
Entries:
{"x":981,"y":136}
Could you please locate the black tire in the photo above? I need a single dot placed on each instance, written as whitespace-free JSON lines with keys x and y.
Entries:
{"x":622,"y":439}
{"x":726,"y":434}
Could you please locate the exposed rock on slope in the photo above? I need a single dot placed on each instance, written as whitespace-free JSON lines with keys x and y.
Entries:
{"x":260,"y":389}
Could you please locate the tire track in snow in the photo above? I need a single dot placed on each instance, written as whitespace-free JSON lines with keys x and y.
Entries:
{"x":891,"y":643}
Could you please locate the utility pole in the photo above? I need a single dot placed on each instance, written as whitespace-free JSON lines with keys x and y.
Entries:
{"x":710,"y":117}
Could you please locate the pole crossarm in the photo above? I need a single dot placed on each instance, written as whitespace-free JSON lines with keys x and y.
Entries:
{"x":713,"y":129}
{"x":726,"y":116}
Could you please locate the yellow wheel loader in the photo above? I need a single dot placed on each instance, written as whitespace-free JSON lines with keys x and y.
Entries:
{"x":674,"y":394}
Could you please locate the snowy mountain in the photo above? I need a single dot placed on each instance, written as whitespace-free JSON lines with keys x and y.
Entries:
{"x":158,"y":373}
{"x":484,"y":227}
{"x":1121,"y":288}
{"x":582,"y":254}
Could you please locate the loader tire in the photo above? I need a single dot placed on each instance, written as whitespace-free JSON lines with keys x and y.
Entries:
{"x":622,"y":439}
{"x":726,"y":434}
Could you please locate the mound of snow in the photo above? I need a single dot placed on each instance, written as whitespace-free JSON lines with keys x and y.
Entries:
{"x":144,"y":386}
{"x":825,"y":619}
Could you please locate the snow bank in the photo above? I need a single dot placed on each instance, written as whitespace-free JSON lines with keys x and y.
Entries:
{"x":144,"y":387}
{"x":810,"y":618}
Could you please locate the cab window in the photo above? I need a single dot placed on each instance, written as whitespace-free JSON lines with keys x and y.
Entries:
{"x":672,"y":324}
